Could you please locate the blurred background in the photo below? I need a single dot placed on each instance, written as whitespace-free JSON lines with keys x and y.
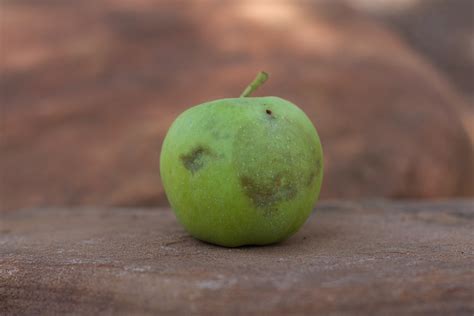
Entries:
{"x":89,"y":89}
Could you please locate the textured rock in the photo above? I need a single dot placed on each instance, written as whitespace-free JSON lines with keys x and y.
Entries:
{"x":441,"y":30}
{"x":373,"y":257}
{"x":88,"y":92}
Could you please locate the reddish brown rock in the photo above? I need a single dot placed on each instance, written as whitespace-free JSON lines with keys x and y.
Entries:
{"x":366,"y":258}
{"x":88,"y":92}
{"x":440,"y":30}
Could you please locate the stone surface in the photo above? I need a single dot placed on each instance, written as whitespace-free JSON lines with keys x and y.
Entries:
{"x":441,"y":30}
{"x":372,"y":257}
{"x":89,"y":90}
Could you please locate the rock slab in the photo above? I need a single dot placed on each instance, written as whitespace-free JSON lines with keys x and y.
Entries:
{"x":369,"y":257}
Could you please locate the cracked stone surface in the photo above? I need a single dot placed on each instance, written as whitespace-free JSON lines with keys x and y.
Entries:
{"x":366,"y":257}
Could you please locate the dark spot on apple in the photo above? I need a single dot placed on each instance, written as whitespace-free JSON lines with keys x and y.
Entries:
{"x":269,"y":112}
{"x":315,"y":172}
{"x":265,"y":194}
{"x":261,"y":195}
{"x":311,"y":177}
{"x":194,"y":160}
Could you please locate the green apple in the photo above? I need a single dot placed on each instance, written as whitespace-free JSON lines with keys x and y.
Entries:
{"x":242,"y":171}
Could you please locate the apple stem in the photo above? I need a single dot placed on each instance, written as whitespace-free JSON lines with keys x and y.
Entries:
{"x":262,"y":76}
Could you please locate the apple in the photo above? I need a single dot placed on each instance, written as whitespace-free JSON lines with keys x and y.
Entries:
{"x":242,"y":171}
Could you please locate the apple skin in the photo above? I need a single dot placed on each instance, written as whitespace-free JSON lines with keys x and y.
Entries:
{"x":242,"y":171}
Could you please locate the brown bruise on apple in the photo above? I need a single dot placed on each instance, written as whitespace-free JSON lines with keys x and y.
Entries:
{"x":265,"y":173}
{"x":265,"y":194}
{"x":194,"y":160}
